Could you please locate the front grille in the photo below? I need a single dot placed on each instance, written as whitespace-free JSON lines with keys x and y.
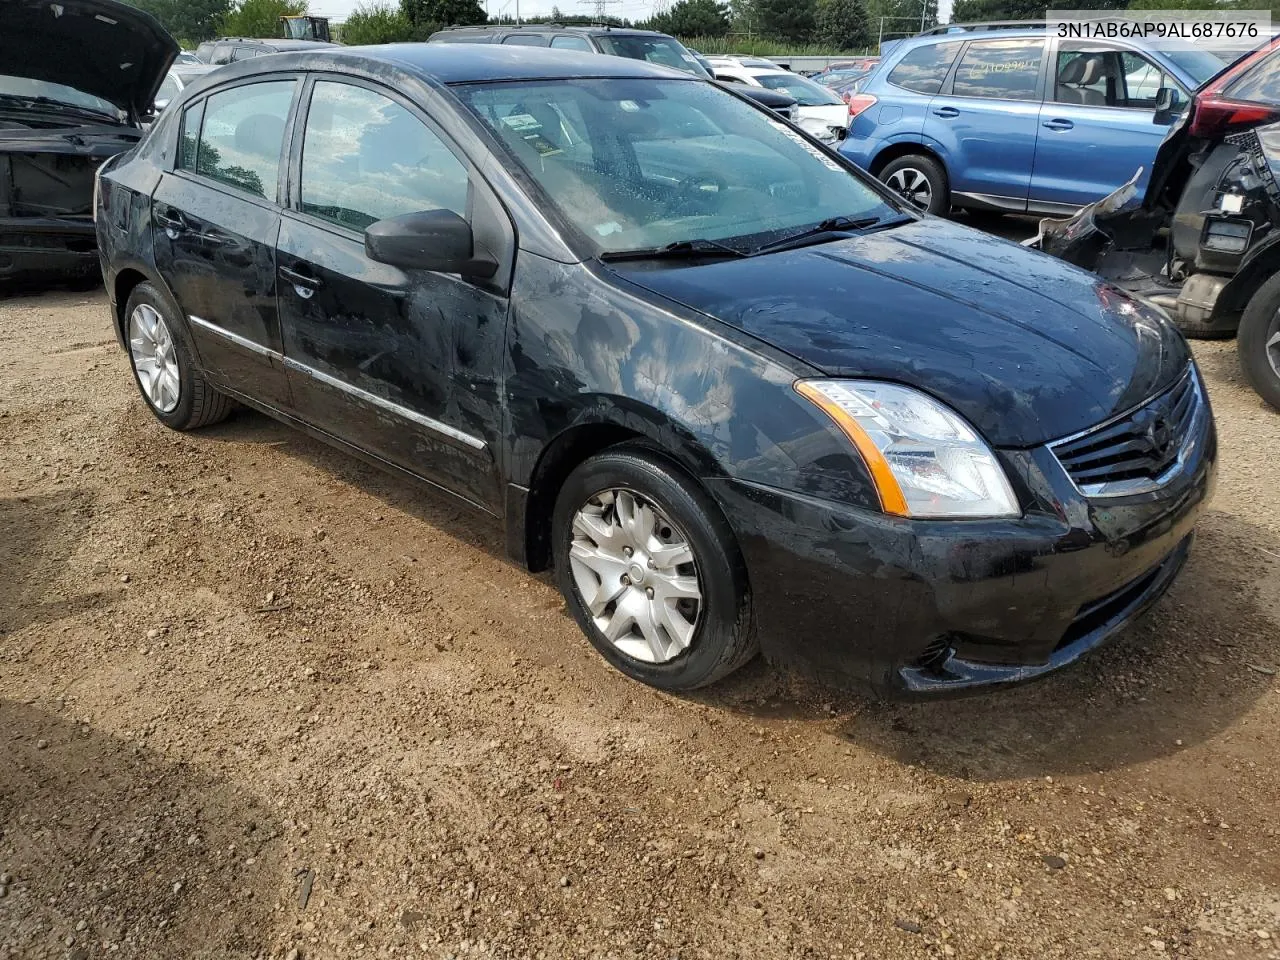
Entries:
{"x":1140,"y":450}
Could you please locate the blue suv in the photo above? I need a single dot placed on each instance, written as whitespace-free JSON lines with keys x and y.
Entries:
{"x":1015,"y":120}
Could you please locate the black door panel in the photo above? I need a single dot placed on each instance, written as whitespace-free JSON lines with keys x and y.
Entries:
{"x":215,"y":222}
{"x":402,"y":363}
{"x":224,"y":281}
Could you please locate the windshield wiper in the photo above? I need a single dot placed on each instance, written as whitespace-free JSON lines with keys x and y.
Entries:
{"x":832,"y":225}
{"x":678,"y":250}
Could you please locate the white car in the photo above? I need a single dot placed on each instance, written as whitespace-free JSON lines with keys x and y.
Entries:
{"x":819,"y":111}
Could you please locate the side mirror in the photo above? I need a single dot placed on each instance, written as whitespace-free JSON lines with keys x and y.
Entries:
{"x":438,"y":240}
{"x":1168,"y":105}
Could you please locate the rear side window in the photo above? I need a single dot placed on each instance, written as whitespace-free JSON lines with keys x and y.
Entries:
{"x":241,"y":136}
{"x":999,"y":70}
{"x":221,"y":53}
{"x":525,"y":40}
{"x":245,"y":53}
{"x":571,"y":43}
{"x":1260,"y":83}
{"x":366,"y":158}
{"x":923,"y":69}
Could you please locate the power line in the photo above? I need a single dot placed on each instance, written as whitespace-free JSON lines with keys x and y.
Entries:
{"x":601,"y":7}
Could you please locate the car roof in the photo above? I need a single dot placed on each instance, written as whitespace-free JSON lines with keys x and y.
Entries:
{"x":280,"y":44}
{"x":601,"y":28}
{"x":476,"y":63}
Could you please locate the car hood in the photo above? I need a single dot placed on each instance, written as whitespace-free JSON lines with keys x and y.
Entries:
{"x":1025,"y":347}
{"x":101,"y":47}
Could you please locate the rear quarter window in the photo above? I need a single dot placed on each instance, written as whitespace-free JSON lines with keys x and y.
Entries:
{"x":1260,"y":83}
{"x":924,"y":69}
{"x":1000,"y":70}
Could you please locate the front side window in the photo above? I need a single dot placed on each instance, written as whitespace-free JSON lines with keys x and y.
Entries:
{"x":571,"y":42}
{"x":242,"y":135}
{"x":366,"y":158}
{"x":999,"y":70}
{"x":806,"y":92}
{"x":923,"y":69}
{"x":642,"y":162}
{"x":660,"y":50}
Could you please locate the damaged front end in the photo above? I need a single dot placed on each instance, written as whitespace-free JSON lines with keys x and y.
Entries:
{"x":46,"y":194}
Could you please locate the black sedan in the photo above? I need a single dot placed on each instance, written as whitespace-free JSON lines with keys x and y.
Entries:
{"x":725,"y":384}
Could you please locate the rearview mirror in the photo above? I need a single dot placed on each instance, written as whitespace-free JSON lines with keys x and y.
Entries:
{"x":1168,"y":105}
{"x":438,"y":240}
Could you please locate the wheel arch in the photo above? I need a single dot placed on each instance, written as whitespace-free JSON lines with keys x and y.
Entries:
{"x":906,"y":148}
{"x":613,"y":422}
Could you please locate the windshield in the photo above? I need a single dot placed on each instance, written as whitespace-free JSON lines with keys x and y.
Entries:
{"x":640,"y":163}
{"x":660,"y":50}
{"x":806,"y":92}
{"x":30,"y":89}
{"x":1198,"y":64}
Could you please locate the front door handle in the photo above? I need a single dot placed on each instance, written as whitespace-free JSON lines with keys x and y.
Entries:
{"x":947,"y":112}
{"x":303,"y":285}
{"x":1059,"y":124}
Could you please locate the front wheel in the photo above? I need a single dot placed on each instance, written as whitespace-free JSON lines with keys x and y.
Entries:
{"x":919,"y":180}
{"x":1258,"y":342}
{"x":651,"y":571}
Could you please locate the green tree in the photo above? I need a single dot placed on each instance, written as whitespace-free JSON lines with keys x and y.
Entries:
{"x":428,"y":16}
{"x":376,"y":23}
{"x":189,"y":20}
{"x":259,"y":18}
{"x":791,"y":20}
{"x":694,"y":18}
{"x":842,"y":24}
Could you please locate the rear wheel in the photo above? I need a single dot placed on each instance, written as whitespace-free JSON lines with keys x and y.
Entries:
{"x":173,"y":387}
{"x":919,"y":180}
{"x":1258,"y":342}
{"x":651,"y":571}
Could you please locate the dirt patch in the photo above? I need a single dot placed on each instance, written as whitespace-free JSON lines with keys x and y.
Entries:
{"x":256,"y":697}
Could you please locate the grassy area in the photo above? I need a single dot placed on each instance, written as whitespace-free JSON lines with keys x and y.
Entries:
{"x":766,"y":48}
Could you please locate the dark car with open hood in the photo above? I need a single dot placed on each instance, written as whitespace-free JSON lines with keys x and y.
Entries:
{"x":77,"y":80}
{"x":725,"y":384}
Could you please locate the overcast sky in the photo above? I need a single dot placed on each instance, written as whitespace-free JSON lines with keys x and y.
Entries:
{"x":631,"y":9}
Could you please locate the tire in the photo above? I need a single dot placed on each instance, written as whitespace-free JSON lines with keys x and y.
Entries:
{"x":912,"y":175}
{"x":151,"y":330}
{"x":716,"y":630}
{"x":1259,"y":325}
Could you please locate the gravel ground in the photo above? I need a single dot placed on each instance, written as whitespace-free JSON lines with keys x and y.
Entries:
{"x":258,"y":700}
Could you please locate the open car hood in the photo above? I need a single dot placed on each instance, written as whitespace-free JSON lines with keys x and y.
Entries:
{"x":100,"y":47}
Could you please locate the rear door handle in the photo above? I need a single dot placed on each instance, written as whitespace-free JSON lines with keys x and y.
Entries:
{"x":1059,"y":124}
{"x":947,"y":112}
{"x":173,"y":223}
{"x":303,"y":286}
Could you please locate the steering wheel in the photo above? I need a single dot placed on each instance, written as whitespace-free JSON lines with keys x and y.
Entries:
{"x":697,"y":193}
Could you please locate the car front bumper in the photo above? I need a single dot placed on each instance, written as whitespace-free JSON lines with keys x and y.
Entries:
{"x":930,"y":608}
{"x":30,"y":245}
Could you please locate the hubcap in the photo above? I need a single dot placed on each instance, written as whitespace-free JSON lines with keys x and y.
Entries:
{"x":1273,"y":347}
{"x":636,"y":573}
{"x":912,"y":185}
{"x":154,"y":358}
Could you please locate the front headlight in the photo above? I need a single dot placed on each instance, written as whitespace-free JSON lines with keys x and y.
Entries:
{"x":924,"y":459}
